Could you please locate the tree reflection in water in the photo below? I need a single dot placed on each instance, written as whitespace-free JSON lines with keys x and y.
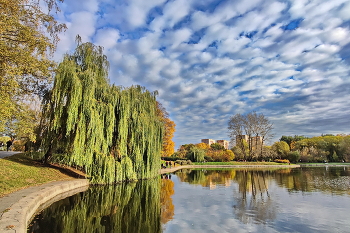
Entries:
{"x":146,"y":205}
{"x":167,"y":206}
{"x":252,"y":201}
{"x":207,"y":178}
{"x":132,"y":207}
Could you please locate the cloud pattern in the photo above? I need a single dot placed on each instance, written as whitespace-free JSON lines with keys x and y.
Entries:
{"x":211,"y":59}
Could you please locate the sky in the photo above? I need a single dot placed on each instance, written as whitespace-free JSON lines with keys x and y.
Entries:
{"x":212,"y":59}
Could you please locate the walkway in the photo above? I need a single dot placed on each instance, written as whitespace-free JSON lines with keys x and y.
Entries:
{"x":4,"y":154}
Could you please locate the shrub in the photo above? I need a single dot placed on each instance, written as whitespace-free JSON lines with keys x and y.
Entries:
{"x":208,"y":159}
{"x":183,"y":162}
{"x":18,"y":145}
{"x":281,"y":161}
{"x":220,"y":155}
{"x":293,"y":156}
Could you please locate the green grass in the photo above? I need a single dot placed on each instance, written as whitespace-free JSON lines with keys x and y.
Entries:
{"x":20,"y":171}
{"x":240,"y":163}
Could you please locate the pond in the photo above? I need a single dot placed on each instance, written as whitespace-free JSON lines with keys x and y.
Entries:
{"x":307,"y":199}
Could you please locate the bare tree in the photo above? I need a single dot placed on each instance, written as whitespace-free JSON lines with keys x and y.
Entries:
{"x":257,"y":129}
{"x":236,"y":126}
{"x":265,"y":130}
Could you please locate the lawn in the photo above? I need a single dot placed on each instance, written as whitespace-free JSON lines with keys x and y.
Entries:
{"x":20,"y":171}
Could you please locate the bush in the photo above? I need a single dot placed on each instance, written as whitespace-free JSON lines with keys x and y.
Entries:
{"x":293,"y":156}
{"x":220,"y":155}
{"x":281,"y":161}
{"x":18,"y":145}
{"x":208,"y":159}
{"x":183,"y":162}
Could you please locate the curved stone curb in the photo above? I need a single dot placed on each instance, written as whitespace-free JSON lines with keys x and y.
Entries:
{"x":16,"y":218}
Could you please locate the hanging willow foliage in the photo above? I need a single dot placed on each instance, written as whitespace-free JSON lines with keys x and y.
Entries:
{"x":113,"y":133}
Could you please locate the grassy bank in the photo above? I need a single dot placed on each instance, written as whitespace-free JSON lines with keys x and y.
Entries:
{"x":20,"y":171}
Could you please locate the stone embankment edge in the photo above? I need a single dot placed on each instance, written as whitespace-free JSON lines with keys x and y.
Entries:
{"x":16,"y":218}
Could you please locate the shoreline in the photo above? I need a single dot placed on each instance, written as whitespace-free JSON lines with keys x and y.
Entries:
{"x":173,"y":169}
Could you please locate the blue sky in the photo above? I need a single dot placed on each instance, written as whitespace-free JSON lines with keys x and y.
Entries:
{"x":210,"y":59}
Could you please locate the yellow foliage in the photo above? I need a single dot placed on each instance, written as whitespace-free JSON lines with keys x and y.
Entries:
{"x":203,"y":145}
{"x":169,"y":130}
{"x":168,"y":143}
{"x":166,"y":201}
{"x":24,"y":50}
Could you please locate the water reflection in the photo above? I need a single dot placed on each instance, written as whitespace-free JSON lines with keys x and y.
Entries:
{"x":167,"y":206}
{"x":132,"y":207}
{"x":208,"y":200}
{"x":332,"y":180}
{"x":206,"y":177}
{"x":254,"y":202}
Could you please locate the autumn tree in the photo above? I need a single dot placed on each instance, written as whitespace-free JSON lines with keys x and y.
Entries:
{"x":281,"y":149}
{"x":291,"y":140}
{"x":24,"y":124}
{"x":28,"y":37}
{"x":169,"y":130}
{"x":344,"y":148}
{"x":203,"y":145}
{"x":217,"y":146}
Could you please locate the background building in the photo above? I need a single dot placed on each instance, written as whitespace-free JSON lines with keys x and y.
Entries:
{"x":208,"y":141}
{"x":255,"y":142}
{"x":224,"y":143}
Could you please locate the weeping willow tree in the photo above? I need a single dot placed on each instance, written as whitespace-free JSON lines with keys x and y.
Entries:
{"x":112,"y":133}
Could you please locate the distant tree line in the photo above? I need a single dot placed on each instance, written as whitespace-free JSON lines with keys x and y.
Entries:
{"x":329,"y":148}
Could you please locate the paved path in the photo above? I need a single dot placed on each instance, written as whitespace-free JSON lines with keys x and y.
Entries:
{"x":4,"y":154}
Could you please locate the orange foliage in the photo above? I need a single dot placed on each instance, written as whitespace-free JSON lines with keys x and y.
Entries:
{"x":167,"y":206}
{"x":203,"y":145}
{"x":168,"y":143}
{"x":169,"y":130}
{"x":220,"y":155}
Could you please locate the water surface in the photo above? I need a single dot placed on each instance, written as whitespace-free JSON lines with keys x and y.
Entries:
{"x":209,"y":200}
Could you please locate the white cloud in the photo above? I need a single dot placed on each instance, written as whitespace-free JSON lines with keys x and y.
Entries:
{"x":107,"y":37}
{"x":175,"y":38}
{"x":344,"y":13}
{"x":173,"y":12}
{"x":137,"y":11}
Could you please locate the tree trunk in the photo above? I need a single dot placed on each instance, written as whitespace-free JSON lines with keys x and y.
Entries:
{"x":48,"y":155}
